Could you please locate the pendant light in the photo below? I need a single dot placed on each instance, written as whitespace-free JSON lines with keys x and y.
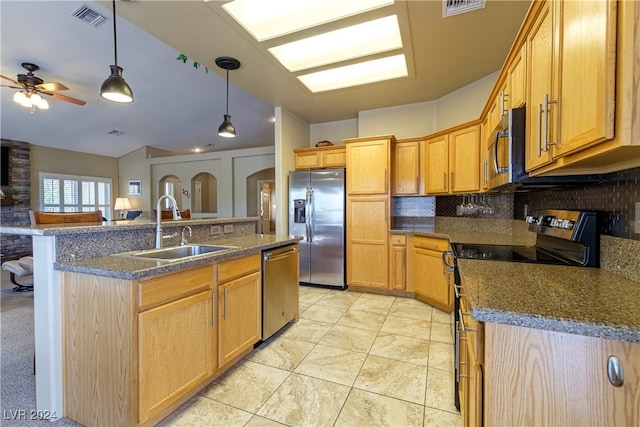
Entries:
{"x":226,"y":129}
{"x":115,"y":88}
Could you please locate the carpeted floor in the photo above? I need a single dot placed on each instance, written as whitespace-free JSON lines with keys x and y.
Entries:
{"x":17,"y":390}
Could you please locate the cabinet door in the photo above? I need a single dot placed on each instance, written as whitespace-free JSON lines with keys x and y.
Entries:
{"x":239,"y":316}
{"x":406,"y":168}
{"x":517,"y":79}
{"x":176,"y":351}
{"x":438,"y":165}
{"x":398,"y":262}
{"x":464,"y":158}
{"x":367,"y":235}
{"x":307,"y":160}
{"x":587,"y":77}
{"x":539,"y":377}
{"x":430,"y":277}
{"x":334,"y":158}
{"x":540,"y":71}
{"x":368,"y":164}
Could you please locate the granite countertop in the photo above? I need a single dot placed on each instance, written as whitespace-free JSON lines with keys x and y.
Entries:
{"x":130,"y":268}
{"x":136,"y":224}
{"x":578,"y":300}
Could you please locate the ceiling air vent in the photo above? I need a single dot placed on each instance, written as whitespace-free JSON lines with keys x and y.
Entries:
{"x":115,"y":132}
{"x":89,"y":16}
{"x":456,"y":7}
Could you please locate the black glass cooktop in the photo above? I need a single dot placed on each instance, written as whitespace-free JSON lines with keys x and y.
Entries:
{"x":531,"y":254}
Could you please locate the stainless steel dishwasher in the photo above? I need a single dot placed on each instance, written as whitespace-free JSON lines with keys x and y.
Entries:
{"x":280,"y":288}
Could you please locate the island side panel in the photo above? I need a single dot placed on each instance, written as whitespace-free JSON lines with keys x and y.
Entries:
{"x":100,"y":361}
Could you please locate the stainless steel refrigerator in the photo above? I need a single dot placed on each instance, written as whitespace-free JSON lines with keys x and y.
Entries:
{"x":317,"y":213}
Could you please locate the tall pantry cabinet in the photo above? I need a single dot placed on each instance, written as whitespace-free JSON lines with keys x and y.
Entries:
{"x":368,"y":211}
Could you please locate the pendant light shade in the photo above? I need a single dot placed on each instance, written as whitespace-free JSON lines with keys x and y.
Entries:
{"x":226,"y":129}
{"x":115,"y":88}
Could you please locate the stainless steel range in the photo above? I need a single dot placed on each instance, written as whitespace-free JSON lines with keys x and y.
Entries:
{"x":562,"y":238}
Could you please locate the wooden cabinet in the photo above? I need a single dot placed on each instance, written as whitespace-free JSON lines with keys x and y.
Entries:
{"x":540,"y":377}
{"x":471,"y":351}
{"x":239,"y":307}
{"x":541,"y":92}
{"x":464,"y":159}
{"x":430,"y":279}
{"x":320,"y":157}
{"x":570,"y":106}
{"x":437,"y":149}
{"x":135,"y":350}
{"x":368,"y":212}
{"x":409,"y":168}
{"x":398,"y":262}
{"x":453,"y":161}
{"x":516,"y":80}
{"x":176,"y":351}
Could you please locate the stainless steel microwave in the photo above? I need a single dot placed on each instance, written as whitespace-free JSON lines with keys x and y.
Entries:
{"x":507,"y":156}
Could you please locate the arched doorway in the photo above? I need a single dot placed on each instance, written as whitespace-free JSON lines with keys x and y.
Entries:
{"x":204,"y":193}
{"x":261,"y":199}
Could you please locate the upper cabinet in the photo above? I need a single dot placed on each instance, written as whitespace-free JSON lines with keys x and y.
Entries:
{"x":320,"y":157}
{"x":368,"y":161}
{"x":409,"y":169}
{"x":516,"y":80}
{"x":453,"y":161}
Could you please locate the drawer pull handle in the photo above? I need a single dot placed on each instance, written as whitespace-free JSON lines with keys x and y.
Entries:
{"x":615,"y":372}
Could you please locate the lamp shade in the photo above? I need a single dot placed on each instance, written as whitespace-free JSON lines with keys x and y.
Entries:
{"x":227,"y":129}
{"x":122,"y":203}
{"x":115,"y":88}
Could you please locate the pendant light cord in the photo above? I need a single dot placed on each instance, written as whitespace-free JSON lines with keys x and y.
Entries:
{"x":227,"y":91}
{"x":115,"y":39}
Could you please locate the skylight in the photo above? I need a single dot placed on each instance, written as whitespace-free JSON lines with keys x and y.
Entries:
{"x":266,"y":20}
{"x":356,"y":74}
{"x":379,"y":35}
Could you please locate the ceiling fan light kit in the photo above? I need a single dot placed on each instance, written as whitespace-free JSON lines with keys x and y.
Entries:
{"x":115,"y":88}
{"x":226,"y":129}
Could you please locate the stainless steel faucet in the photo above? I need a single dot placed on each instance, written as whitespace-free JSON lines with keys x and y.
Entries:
{"x":176,"y":217}
{"x":183,"y":241}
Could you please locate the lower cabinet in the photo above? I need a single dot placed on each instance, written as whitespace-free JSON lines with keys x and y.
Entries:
{"x":540,"y":377}
{"x":398,"y":262}
{"x":176,"y":351}
{"x":471,"y":351}
{"x":430,"y":279}
{"x":239,"y":307}
{"x":135,"y":350}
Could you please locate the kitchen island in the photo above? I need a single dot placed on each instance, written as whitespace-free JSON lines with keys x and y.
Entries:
{"x":91,"y":249}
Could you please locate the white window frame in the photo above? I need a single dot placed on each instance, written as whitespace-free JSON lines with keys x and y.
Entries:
{"x":80,"y":206}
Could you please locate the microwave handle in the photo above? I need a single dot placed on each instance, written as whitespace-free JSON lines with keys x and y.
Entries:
{"x":496,"y":166}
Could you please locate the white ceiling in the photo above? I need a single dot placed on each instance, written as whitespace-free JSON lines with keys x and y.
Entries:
{"x":178,"y":107}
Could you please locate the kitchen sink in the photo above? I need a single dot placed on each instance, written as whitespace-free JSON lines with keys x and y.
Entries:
{"x":177,"y":252}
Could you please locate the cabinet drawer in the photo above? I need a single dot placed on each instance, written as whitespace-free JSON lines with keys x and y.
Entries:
{"x":232,"y":269}
{"x":398,"y":240}
{"x":166,"y":288}
{"x":430,"y":243}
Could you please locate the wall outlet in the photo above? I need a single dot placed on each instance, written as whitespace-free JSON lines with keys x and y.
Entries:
{"x":215,"y":229}
{"x":228,"y":228}
{"x":636,"y":219}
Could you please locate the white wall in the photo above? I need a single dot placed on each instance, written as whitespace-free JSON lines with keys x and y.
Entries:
{"x":229,"y":167}
{"x":403,"y":121}
{"x":291,"y":132}
{"x":334,"y":131}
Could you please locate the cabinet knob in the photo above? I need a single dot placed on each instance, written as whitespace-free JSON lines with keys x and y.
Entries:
{"x":615,"y":372}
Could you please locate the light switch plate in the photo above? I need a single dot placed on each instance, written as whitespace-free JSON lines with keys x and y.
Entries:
{"x":636,"y":219}
{"x":228,"y":228}
{"x":215,"y":229}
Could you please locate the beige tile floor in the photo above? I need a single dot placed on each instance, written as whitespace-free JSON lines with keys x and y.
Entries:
{"x":353,"y":359}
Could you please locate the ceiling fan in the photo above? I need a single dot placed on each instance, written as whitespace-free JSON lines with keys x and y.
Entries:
{"x":32,"y":86}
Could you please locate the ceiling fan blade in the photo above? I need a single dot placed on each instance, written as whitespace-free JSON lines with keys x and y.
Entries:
{"x":66,"y":98}
{"x":52,"y":86}
{"x":12,"y":87}
{"x":10,"y":79}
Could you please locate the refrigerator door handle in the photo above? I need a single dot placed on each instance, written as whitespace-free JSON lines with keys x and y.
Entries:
{"x":309,"y":216}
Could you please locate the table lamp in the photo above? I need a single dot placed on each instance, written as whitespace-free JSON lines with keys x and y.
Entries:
{"x":122,"y":203}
